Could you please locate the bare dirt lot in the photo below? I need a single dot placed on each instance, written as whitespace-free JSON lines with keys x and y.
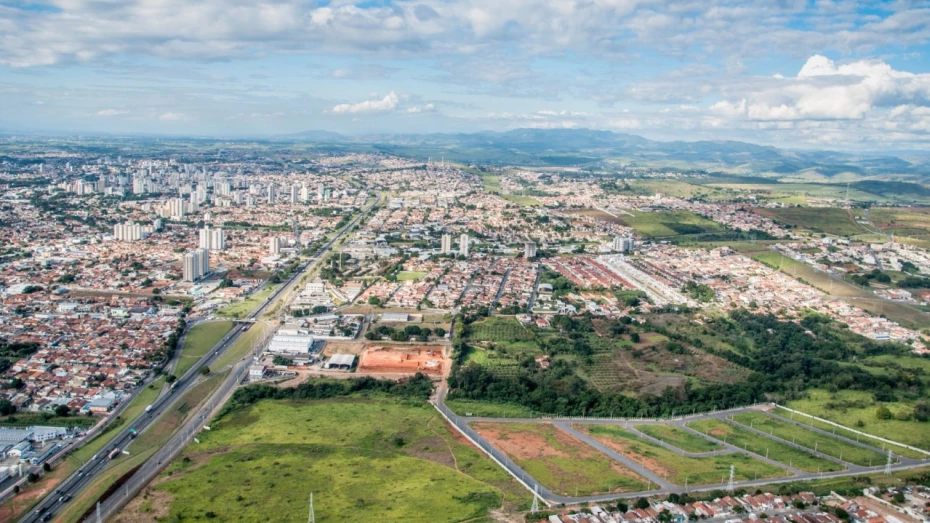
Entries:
{"x":386,"y":359}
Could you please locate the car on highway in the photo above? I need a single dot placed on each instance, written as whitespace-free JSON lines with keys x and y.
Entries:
{"x":47,"y":517}
{"x":64,"y":499}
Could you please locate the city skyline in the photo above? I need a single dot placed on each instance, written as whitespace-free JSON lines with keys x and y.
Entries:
{"x":829,"y":75}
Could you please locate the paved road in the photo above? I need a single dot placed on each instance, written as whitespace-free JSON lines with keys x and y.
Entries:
{"x":77,"y":482}
{"x":665,"y":487}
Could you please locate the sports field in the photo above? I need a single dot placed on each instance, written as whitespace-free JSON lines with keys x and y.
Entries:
{"x":677,"y":468}
{"x":752,"y":442}
{"x":810,"y":439}
{"x":560,"y":462}
{"x":377,"y":459}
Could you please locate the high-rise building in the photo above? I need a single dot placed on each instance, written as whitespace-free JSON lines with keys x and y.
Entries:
{"x":212,"y":239}
{"x":192,"y":266}
{"x":463,"y":245}
{"x":272,"y":193}
{"x":204,"y":261}
{"x":294,"y":194}
{"x":320,"y":188}
{"x":304,"y":193}
{"x":529,"y":250}
{"x":446,"y":244}
{"x":274,"y":245}
{"x":130,"y":231}
{"x":623,"y":244}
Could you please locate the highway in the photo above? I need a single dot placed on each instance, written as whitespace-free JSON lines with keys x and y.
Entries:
{"x":71,"y":487}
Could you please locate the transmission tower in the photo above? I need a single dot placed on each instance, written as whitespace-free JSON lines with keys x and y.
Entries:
{"x":312,"y":518}
{"x":888,"y":464}
{"x":98,"y":512}
{"x":730,"y":483}
{"x":535,"y":508}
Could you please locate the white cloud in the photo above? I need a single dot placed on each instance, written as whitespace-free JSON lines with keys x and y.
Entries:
{"x":111,"y":112}
{"x":421,"y":108}
{"x":823,"y":90}
{"x":388,"y":103}
{"x":171,"y":117}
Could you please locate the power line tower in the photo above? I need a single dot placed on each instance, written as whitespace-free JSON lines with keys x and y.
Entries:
{"x":730,"y":486}
{"x":98,"y":512}
{"x":535,"y":508}
{"x":312,"y":518}
{"x":888,"y":464}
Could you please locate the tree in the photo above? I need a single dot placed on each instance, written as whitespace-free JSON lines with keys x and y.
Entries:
{"x":204,"y":370}
{"x":642,"y":503}
{"x":6,"y":408}
{"x":62,"y":411}
{"x":883,"y":413}
{"x":439,"y":331}
{"x":374,"y":300}
{"x":170,"y":378}
{"x":46,"y":467}
{"x":634,"y":337}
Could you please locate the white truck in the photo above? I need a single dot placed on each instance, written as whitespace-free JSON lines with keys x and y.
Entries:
{"x":149,"y":408}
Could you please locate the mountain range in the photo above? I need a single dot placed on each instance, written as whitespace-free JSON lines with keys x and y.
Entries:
{"x":610,"y":150}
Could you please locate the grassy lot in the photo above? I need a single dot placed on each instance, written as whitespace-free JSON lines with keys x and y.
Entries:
{"x":242,"y":308}
{"x":491,"y":183}
{"x":377,"y":459}
{"x":679,"y":437}
{"x":677,"y":468}
{"x":89,"y":496}
{"x":560,"y":462}
{"x":411,"y":275}
{"x":834,"y":221}
{"x":199,"y":340}
{"x":848,"y":407}
{"x":761,"y":445}
{"x":669,"y":224}
{"x":810,"y":439}
{"x":522,"y":201}
{"x":486,"y":409}
{"x":241,"y":347}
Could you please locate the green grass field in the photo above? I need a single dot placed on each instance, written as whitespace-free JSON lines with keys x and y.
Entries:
{"x":463,"y":407}
{"x":848,"y":407}
{"x":411,"y":275}
{"x":679,"y":438}
{"x":242,"y":308}
{"x":241,"y":347}
{"x":810,"y":439}
{"x":827,"y":220}
{"x":559,"y":461}
{"x":762,"y":446}
{"x":376,"y":459}
{"x":681,"y":469}
{"x":662,"y":224}
{"x":199,"y":340}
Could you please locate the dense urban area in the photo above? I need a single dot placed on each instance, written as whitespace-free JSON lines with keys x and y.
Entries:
{"x":199,"y":330}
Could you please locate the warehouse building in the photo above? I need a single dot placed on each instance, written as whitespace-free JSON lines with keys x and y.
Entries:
{"x":291,"y":344}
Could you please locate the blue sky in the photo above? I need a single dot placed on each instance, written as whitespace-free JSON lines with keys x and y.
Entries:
{"x":824,"y":74}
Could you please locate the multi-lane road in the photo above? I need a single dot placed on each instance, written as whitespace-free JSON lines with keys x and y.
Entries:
{"x":71,"y":487}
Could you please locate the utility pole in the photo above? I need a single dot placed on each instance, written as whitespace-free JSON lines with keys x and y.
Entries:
{"x":888,"y":465}
{"x":730,"y":486}
{"x":535,"y":508}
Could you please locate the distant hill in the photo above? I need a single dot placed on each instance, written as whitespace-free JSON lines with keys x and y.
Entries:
{"x":593,"y":148}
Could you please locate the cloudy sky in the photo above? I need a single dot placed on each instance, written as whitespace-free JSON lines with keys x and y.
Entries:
{"x":820,"y":73}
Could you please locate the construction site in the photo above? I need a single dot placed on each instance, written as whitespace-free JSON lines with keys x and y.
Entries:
{"x":380,"y":359}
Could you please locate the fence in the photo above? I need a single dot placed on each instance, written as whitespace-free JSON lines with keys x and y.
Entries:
{"x":854,"y":431}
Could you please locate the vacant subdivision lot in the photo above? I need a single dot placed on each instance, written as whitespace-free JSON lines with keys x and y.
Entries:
{"x":560,"y":462}
{"x":677,"y":468}
{"x":679,"y":438}
{"x":807,"y":438}
{"x":752,"y":442}
{"x":376,"y":458}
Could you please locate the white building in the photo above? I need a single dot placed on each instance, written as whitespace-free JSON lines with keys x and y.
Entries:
{"x":622,"y":244}
{"x":196,"y":264}
{"x":294,"y":345}
{"x":274,"y":245}
{"x":212,"y":239}
{"x":446,"y":244}
{"x":529,"y":250}
{"x":463,"y":245}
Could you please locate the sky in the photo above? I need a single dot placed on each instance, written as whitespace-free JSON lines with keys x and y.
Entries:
{"x":838,"y":75}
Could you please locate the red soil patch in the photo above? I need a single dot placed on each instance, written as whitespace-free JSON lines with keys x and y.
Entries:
{"x":404,"y":360}
{"x":621,"y":447}
{"x":521,"y":444}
